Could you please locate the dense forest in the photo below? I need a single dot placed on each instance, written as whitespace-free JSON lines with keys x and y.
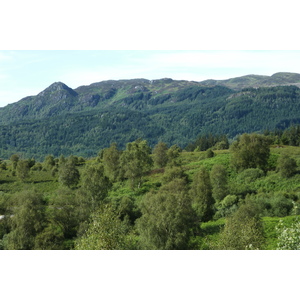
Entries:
{"x":63,"y":121}
{"x":215,"y":194}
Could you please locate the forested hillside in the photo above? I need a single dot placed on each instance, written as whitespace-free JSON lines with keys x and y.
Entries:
{"x":218,"y":196}
{"x":61,"y":120}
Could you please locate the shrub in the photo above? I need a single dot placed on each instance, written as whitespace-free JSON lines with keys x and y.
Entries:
{"x":281,"y":205}
{"x":243,"y":230}
{"x":250,"y":175}
{"x":287,"y":166}
{"x":288,"y":237}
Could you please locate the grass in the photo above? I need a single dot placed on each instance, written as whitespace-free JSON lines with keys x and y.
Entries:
{"x":270,"y":229}
{"x":43,"y":182}
{"x":210,"y":232}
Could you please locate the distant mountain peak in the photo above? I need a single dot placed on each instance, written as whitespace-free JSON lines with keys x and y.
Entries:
{"x":56,"y":87}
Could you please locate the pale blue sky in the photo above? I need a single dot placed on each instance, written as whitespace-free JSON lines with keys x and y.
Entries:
{"x":25,"y":73}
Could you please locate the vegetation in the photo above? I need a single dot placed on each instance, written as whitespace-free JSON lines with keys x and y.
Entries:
{"x":62,"y":121}
{"x":224,"y":174}
{"x":161,"y":198}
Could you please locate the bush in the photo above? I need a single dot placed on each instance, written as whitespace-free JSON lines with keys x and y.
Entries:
{"x":209,"y":153}
{"x":243,"y":230}
{"x":287,"y":166}
{"x":227,"y":206}
{"x":250,"y":151}
{"x":288,"y":237}
{"x":250,"y":175}
{"x":281,"y":206}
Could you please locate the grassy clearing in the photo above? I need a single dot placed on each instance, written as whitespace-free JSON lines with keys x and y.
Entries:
{"x":42,"y":181}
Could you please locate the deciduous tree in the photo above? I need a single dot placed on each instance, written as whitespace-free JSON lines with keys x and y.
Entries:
{"x":251,"y":151}
{"x":22,"y":169}
{"x":135,"y":161}
{"x":27,"y":220}
{"x":287,"y":166}
{"x":201,"y":193}
{"x":218,"y":178}
{"x":95,"y":184}
{"x":167,"y":218}
{"x":243,"y":230}
{"x":111,"y":162}
{"x":160,"y":156}
{"x":106,"y":231}
{"x":68,"y":174}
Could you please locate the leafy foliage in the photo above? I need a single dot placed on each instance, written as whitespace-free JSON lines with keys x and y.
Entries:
{"x":95,"y":184}
{"x":68,"y":174}
{"x":201,"y":193}
{"x":27,"y":220}
{"x":180,"y":206}
{"x":287,"y":166}
{"x":243,"y":230}
{"x":288,"y":237}
{"x":251,"y":151}
{"x":160,"y":156}
{"x":167,"y":218}
{"x":105,"y":232}
{"x":135,"y":161}
{"x":219,"y":182}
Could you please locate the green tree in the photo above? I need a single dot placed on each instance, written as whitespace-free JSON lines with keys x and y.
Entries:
{"x":27,"y":220}
{"x":51,"y":238}
{"x":209,"y":153}
{"x":243,"y":230}
{"x":172,"y":173}
{"x":219,"y":182}
{"x":49,"y":162}
{"x":167,"y":218}
{"x":251,"y":151}
{"x":3,"y":165}
{"x":31,"y":162}
{"x":62,"y":212}
{"x":286,"y":166}
{"x":106,"y":231}
{"x":160,"y":156}
{"x":136,"y":161}
{"x":173,"y":154}
{"x":201,"y":193}
{"x":111,"y":162}
{"x":22,"y":169}
{"x":14,"y":159}
{"x":62,"y":160}
{"x":68,"y":174}
{"x":95,"y":184}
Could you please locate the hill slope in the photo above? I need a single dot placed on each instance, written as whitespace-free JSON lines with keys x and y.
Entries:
{"x":256,"y":81}
{"x":81,"y":121}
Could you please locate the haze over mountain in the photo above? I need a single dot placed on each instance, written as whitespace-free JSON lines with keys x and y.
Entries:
{"x":61,"y":120}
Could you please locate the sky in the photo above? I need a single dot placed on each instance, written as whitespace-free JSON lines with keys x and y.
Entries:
{"x":28,"y":72}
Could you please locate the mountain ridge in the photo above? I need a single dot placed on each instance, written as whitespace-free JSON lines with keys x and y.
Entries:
{"x":59,"y":98}
{"x":62,"y":120}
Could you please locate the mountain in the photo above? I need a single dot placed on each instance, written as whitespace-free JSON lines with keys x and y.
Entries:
{"x":59,"y":99}
{"x":81,"y":121}
{"x":256,"y":81}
